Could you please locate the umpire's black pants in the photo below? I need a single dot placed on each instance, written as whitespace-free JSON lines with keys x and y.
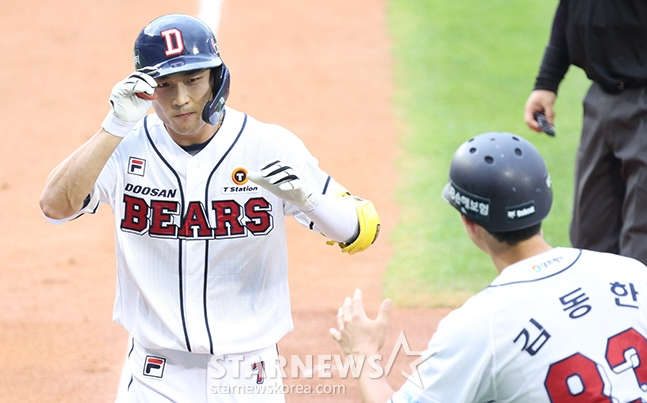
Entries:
{"x":610,"y":201}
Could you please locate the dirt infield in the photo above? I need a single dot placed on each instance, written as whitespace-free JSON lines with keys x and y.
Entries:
{"x":321,"y":69}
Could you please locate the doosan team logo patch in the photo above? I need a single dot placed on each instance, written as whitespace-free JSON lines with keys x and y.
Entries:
{"x":136,"y":166}
{"x":154,"y":366}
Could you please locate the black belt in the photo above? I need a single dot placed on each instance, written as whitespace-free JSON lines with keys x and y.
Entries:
{"x":620,"y":86}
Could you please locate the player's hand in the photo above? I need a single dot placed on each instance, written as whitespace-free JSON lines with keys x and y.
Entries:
{"x":357,"y":334}
{"x":130,"y":100}
{"x":131,"y":97}
{"x":285,"y":182}
{"x":541,"y":101}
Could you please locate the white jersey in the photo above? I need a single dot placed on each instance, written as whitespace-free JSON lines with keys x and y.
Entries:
{"x":564,"y":326}
{"x":201,"y":252}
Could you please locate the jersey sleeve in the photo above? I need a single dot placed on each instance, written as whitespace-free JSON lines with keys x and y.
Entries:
{"x":457,"y":364}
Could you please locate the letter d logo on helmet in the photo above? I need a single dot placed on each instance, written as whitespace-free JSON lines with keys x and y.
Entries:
{"x":176,"y":43}
{"x":499,"y":181}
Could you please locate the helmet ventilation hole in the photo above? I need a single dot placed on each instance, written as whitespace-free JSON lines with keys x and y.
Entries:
{"x":472,"y":150}
{"x":518,"y":151}
{"x":489,"y":159}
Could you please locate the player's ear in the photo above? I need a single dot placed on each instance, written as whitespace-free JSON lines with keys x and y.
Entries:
{"x":470,"y":226}
{"x":473,"y":229}
{"x":476,"y":234}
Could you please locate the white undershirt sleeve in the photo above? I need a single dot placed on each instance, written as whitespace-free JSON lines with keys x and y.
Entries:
{"x":336,"y":218}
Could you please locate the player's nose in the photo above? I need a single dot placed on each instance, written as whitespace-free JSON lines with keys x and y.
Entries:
{"x":180,"y":95}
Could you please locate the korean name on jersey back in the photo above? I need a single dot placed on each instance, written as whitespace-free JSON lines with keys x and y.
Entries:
{"x":160,"y":213}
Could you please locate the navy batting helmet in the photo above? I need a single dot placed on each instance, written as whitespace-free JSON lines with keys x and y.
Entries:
{"x":499,"y":181}
{"x":175,"y":43}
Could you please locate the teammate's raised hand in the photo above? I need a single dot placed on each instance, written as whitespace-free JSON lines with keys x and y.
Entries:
{"x":286,"y":183}
{"x":357,"y":333}
{"x":129,"y":101}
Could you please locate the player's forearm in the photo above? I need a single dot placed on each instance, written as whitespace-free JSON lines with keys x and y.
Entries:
{"x":72,"y":180}
{"x":336,"y":218}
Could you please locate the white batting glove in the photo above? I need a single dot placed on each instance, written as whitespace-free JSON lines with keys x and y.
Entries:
{"x":284,"y":182}
{"x":129,"y":101}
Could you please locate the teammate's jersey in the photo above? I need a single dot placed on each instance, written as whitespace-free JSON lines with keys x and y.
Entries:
{"x":564,"y":326}
{"x":201,"y":252}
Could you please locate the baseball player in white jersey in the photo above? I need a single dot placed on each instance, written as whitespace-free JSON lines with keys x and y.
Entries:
{"x":556,"y":325}
{"x":199,"y":193}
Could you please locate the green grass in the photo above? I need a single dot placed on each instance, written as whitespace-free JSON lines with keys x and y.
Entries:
{"x":463,"y":68}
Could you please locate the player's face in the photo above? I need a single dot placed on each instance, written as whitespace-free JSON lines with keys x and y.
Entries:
{"x":179,"y":102}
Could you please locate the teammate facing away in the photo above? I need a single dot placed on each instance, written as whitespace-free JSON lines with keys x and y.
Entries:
{"x":556,"y":325}
{"x":199,"y":193}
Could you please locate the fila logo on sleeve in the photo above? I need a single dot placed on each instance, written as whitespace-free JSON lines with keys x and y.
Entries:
{"x":154,"y":366}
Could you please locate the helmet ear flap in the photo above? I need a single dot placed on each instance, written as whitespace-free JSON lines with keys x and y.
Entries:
{"x":212,"y":110}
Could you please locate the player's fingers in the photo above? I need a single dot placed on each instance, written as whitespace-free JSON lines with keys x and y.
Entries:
{"x":273,"y":168}
{"x":149,"y":70}
{"x":281,"y":175}
{"x":530,"y":120}
{"x":145,"y":96}
{"x":347,"y":310}
{"x":145,"y":77}
{"x":384,"y":312}
{"x":143,"y":84}
{"x":255,"y":177}
{"x":268,"y":165}
{"x":293,"y":182}
{"x":335,"y":334}
{"x":340,"y":318}
{"x":358,"y":304}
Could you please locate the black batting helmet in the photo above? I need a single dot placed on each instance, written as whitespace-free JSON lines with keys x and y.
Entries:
{"x":175,"y":43}
{"x":499,"y":181}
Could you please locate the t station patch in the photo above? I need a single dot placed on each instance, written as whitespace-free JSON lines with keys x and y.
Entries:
{"x":239,"y":176}
{"x":154,"y":366}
